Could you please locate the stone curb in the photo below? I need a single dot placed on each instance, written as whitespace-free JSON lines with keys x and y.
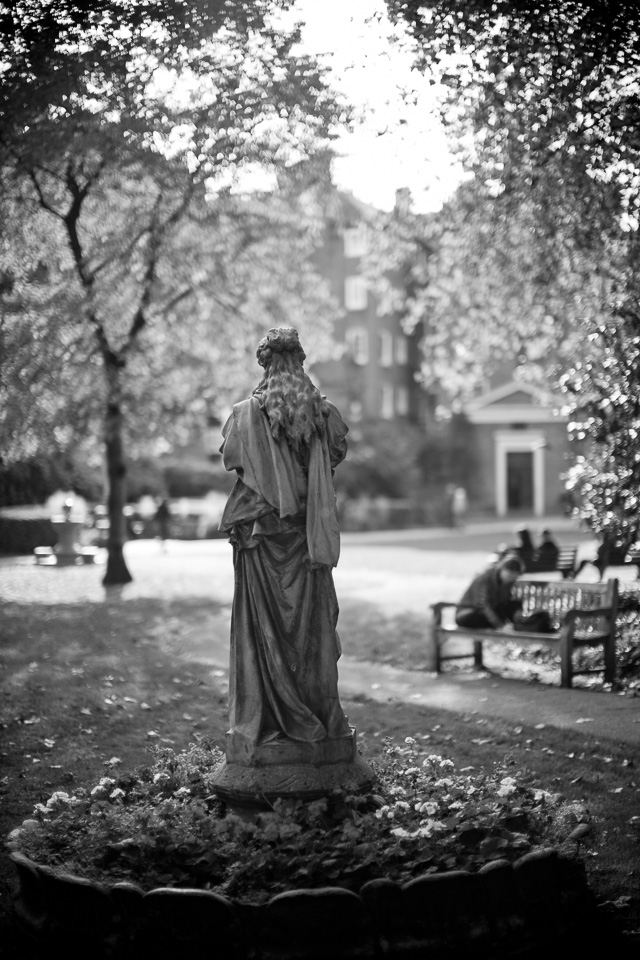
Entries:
{"x":503,"y":911}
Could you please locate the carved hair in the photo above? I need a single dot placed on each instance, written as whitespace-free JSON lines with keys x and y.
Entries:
{"x":291,"y":401}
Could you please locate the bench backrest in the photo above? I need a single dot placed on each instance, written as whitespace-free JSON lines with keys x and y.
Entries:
{"x":558,"y":596}
{"x":566,"y":560}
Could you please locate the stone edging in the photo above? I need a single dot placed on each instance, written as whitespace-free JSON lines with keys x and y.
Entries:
{"x":505,"y":910}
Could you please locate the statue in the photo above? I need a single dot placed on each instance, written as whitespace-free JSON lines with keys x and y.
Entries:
{"x":288,"y":733}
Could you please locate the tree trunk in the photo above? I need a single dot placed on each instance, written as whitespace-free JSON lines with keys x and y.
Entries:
{"x":117,"y":571}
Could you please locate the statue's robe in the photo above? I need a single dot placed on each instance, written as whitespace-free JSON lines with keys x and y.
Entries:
{"x":282,"y":521}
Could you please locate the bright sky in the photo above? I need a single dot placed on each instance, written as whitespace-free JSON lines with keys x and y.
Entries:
{"x":399,"y":144}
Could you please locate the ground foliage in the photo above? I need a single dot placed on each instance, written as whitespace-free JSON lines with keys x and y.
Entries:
{"x":162,"y":825}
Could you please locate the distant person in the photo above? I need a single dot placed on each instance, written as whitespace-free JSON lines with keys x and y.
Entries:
{"x":525,"y":547}
{"x":459,"y":506}
{"x":548,"y":550}
{"x":163,"y":522}
{"x":488,"y":601}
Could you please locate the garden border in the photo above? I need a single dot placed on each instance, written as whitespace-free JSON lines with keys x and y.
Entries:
{"x":503,"y":911}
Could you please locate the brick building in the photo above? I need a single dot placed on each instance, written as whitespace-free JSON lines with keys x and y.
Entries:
{"x":374,"y":376}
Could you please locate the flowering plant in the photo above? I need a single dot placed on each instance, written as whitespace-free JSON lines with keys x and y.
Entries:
{"x":163,"y":825}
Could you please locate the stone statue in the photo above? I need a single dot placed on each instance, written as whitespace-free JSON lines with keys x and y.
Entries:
{"x":288,"y":733}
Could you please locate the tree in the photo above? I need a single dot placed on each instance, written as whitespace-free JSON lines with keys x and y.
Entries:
{"x":123,"y":123}
{"x":550,"y":96}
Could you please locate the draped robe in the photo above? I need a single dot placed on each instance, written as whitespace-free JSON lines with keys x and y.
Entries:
{"x":282,"y":522}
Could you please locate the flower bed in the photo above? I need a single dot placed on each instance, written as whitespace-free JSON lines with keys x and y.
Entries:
{"x":433,"y":860}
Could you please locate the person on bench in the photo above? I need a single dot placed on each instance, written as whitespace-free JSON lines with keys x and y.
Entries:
{"x":548,"y":551}
{"x":488,"y":602}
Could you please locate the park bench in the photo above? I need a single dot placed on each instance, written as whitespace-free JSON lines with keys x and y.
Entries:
{"x":619,"y":557}
{"x":565,"y":563}
{"x":582,"y":615}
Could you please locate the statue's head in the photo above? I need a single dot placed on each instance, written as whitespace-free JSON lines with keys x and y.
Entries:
{"x":286,"y":393}
{"x":280,"y":341}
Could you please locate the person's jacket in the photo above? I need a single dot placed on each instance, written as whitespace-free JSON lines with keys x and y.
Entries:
{"x":488,"y":594}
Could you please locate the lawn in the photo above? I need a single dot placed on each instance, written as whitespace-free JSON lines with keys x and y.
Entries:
{"x":88,"y":681}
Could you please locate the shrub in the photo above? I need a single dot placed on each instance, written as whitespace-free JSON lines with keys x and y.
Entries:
{"x":32,"y":481}
{"x":23,"y":534}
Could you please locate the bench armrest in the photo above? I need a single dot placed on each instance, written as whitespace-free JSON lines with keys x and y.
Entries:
{"x":439,"y":607}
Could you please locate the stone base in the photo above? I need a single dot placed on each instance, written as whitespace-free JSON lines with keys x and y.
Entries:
{"x":256,"y":775}
{"x":51,"y":556}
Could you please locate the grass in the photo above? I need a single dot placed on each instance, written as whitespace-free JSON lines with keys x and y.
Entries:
{"x":83,"y":683}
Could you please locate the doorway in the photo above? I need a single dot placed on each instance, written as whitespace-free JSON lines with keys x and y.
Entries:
{"x":520,"y":480}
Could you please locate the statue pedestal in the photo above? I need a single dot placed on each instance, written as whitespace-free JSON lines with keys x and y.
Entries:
{"x":256,"y":775}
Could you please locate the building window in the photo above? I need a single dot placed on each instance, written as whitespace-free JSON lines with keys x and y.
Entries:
{"x":358,"y":340}
{"x":386,"y":409}
{"x":402,"y":350}
{"x":402,"y":401}
{"x":386,"y":348}
{"x":355,"y":293}
{"x":355,"y":241}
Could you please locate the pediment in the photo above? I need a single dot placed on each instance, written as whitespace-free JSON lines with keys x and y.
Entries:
{"x":514,"y":401}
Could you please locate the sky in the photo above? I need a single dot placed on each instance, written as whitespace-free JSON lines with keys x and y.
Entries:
{"x":398,"y":144}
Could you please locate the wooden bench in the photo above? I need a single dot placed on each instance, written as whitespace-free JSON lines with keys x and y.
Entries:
{"x":619,"y":557}
{"x":583,"y":615}
{"x":565,"y":562}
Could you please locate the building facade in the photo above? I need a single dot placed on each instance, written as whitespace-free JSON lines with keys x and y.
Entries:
{"x":374,"y":375}
{"x":521,"y":452}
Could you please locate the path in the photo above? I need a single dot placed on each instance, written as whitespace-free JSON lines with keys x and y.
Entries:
{"x":394,"y":571}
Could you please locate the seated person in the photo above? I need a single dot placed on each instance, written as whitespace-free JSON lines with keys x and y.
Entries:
{"x":548,"y":551}
{"x":488,"y":601}
{"x":525,"y":548}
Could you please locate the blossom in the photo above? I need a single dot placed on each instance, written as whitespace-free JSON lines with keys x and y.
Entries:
{"x":103,"y":786}
{"x":507,"y":786}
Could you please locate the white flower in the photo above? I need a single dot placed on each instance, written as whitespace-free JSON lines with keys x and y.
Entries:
{"x":182,"y":792}
{"x":401,"y":832}
{"x":401,"y":805}
{"x":433,"y":758}
{"x":429,"y":827}
{"x":160,"y":776}
{"x":507,"y":786}
{"x":103,"y":786}
{"x":409,"y":740}
{"x":411,"y":771}
{"x":428,"y":807}
{"x":116,"y":794}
